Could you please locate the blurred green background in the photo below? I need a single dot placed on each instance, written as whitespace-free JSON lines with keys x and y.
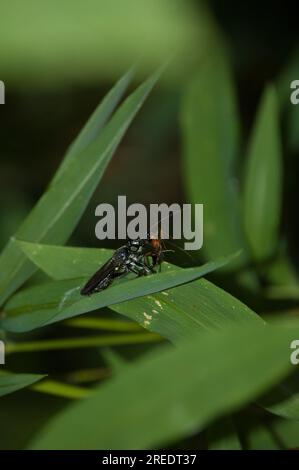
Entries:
{"x":59,"y":58}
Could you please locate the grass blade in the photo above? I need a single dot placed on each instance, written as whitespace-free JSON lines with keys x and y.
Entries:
{"x":60,"y":300}
{"x":179,"y":314}
{"x":210,"y":141}
{"x":175,"y":314}
{"x":96,"y":122}
{"x":263,"y":180}
{"x":56,"y":214}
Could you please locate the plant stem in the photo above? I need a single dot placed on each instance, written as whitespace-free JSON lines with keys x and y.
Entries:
{"x":88,"y":342}
{"x":103,"y":324}
{"x":51,"y":387}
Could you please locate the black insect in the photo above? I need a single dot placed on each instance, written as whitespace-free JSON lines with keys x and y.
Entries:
{"x":127,"y":258}
{"x":139,"y":256}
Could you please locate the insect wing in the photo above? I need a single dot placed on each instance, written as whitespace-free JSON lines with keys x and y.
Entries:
{"x":104,"y":276}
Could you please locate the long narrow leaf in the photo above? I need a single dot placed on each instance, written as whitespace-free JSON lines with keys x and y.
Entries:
{"x":210,"y":141}
{"x":64,"y":262}
{"x":96,"y":122}
{"x":13,"y":382}
{"x":176,"y":392}
{"x":56,"y":301}
{"x":56,"y":214}
{"x":175,"y":314}
{"x":263,"y":180}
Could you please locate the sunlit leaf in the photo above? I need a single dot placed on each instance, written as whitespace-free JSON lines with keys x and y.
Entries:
{"x":60,"y":300}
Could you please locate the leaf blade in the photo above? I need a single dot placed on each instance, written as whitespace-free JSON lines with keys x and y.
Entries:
{"x":210,"y":141}
{"x":182,"y":407}
{"x":263,"y":180}
{"x":96,"y":122}
{"x":57,"y":212}
{"x":60,"y":300}
{"x":12,"y":382}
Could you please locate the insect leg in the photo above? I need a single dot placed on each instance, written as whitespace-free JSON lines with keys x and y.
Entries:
{"x":139,"y":268}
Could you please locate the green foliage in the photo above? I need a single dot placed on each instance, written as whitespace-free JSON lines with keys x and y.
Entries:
{"x":223,"y":355}
{"x":210,"y":126}
{"x":13,"y":382}
{"x":58,"y":211}
{"x":60,"y":300}
{"x":68,"y":43}
{"x":181,"y":388}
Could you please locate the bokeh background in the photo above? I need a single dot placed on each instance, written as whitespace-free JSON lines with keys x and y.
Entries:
{"x":59,"y":58}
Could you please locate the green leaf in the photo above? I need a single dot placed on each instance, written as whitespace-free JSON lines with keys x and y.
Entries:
{"x":210,"y":142}
{"x":263,"y":180}
{"x":59,"y":300}
{"x":281,"y":271}
{"x":287,"y":432}
{"x":87,"y":44}
{"x":61,"y":262}
{"x":175,"y":314}
{"x":284,"y":399}
{"x":260,"y":437}
{"x":13,"y":382}
{"x":176,"y":392}
{"x":274,"y":434}
{"x":114,"y":361}
{"x":50,"y":387}
{"x":95,"y":123}
{"x":180,"y":313}
{"x":56,"y":214}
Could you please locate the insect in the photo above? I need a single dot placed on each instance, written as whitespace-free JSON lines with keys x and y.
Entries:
{"x":127,"y":258}
{"x":132,"y":257}
{"x":155,"y":251}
